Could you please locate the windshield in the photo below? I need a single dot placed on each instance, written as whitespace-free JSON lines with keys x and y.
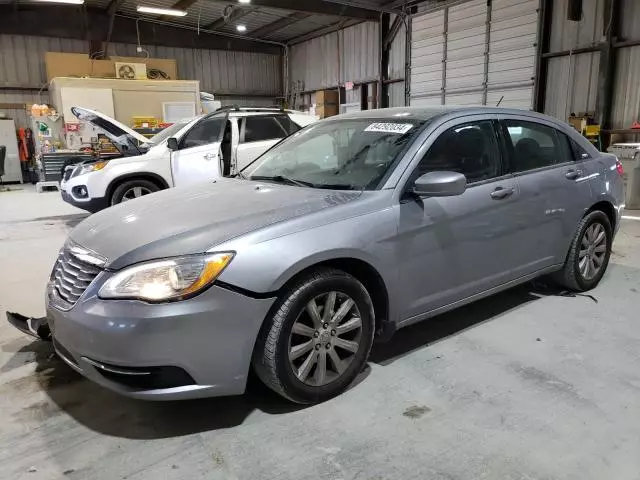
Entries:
{"x":166,"y":133}
{"x":350,"y":154}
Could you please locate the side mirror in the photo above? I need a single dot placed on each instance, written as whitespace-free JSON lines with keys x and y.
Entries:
{"x":172,"y":144}
{"x":440,"y":184}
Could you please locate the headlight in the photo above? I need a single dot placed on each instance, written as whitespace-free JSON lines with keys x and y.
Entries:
{"x":164,"y":280}
{"x":92,"y":167}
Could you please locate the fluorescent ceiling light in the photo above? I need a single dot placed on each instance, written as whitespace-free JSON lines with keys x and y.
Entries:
{"x":244,"y":1}
{"x":73,"y":2}
{"x":241,"y":28}
{"x":162,"y":11}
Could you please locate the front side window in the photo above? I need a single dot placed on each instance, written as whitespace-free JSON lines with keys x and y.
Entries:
{"x":262,"y":127}
{"x":204,"y":132}
{"x":532,"y":145}
{"x":351,"y":154}
{"x":470,"y":149}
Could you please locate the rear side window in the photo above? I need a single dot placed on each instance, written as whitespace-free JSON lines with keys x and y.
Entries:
{"x":579,"y":153}
{"x":203,"y":133}
{"x":470,"y":149}
{"x":272,"y":127}
{"x":532,"y":145}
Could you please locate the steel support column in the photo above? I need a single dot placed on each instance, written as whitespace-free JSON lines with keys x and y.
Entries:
{"x":383,"y":89}
{"x":606,"y":72}
{"x":545,"y":14}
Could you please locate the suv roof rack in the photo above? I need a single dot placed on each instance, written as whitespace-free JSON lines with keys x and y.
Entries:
{"x":236,"y":108}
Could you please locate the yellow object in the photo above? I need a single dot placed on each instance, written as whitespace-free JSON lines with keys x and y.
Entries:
{"x":144,"y":122}
{"x":591,"y":130}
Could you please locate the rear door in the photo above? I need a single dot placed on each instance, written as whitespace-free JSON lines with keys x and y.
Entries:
{"x":198,"y":157}
{"x":258,"y":133}
{"x":554,"y":190}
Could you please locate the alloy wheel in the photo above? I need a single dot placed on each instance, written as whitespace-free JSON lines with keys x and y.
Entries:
{"x":135,"y":192}
{"x":325,"y":338}
{"x":593,"y":251}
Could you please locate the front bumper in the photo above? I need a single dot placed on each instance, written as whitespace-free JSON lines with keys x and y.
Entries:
{"x":90,"y":205}
{"x":204,"y":344}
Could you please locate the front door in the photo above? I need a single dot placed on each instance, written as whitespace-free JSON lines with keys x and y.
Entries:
{"x":452,"y":248}
{"x":198,"y":156}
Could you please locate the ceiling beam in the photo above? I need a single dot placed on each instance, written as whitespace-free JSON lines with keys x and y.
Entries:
{"x":236,"y":14}
{"x":69,"y":22}
{"x":324,"y":30}
{"x":279,"y":24}
{"x":321,"y":7}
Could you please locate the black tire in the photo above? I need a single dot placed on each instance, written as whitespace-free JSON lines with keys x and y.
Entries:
{"x":120,"y":191}
{"x":570,"y":276}
{"x":271,"y":352}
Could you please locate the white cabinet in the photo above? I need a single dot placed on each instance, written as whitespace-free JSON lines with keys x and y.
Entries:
{"x":12,"y":170}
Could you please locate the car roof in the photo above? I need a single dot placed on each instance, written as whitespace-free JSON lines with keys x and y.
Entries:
{"x":425,"y":113}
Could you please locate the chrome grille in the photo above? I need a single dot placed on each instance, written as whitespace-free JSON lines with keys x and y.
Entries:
{"x":71,"y":276}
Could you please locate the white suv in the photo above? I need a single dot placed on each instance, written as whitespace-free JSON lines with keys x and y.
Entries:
{"x":201,"y":150}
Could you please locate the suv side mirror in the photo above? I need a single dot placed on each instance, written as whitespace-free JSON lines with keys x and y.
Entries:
{"x":172,"y":144}
{"x":440,"y":184}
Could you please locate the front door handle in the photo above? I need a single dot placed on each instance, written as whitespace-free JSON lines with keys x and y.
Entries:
{"x":500,"y":193}
{"x":210,"y":156}
{"x":573,"y":174}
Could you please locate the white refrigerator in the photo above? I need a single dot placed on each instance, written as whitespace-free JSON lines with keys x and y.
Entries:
{"x":12,"y":170}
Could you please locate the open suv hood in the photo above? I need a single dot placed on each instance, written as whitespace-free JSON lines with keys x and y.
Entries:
{"x":125,"y":139}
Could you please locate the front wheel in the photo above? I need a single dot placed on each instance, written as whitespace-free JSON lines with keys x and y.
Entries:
{"x":589,"y":254}
{"x":318,"y":337}
{"x":131,"y":190}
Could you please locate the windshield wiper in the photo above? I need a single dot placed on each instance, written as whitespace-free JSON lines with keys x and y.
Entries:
{"x":283,"y":179}
{"x":240,"y":175}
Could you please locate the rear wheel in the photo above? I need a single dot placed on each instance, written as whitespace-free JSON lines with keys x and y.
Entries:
{"x":318,"y":338}
{"x":589,"y":254}
{"x":131,"y":190}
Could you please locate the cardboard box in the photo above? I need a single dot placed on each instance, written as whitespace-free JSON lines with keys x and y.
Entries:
{"x":327,"y":97}
{"x":80,"y":65}
{"x":325,"y":111}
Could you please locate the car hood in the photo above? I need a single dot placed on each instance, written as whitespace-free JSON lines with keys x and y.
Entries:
{"x":183,"y":221}
{"x":125,"y":139}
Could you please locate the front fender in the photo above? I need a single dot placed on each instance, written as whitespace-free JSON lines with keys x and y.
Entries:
{"x":265,"y":266}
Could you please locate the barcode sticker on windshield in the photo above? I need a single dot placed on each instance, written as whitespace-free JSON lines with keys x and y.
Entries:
{"x":399,"y":128}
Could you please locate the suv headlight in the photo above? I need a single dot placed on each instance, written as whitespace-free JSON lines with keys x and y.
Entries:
{"x":92,"y":167}
{"x":166,"y":280}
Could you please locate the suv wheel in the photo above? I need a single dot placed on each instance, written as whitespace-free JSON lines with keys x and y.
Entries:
{"x":132,"y":189}
{"x":589,"y":254}
{"x":318,"y":337}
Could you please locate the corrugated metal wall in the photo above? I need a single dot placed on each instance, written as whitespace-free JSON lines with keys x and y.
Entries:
{"x":572,"y":80}
{"x":22,"y":65}
{"x":566,"y":35}
{"x":252,"y":78}
{"x":318,"y":63}
{"x":626,"y":91}
{"x":572,"y":85}
{"x":219,"y":71}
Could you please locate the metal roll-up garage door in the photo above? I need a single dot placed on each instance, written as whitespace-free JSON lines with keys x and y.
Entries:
{"x":475,"y":53}
{"x":512,"y":52}
{"x":427,"y":50}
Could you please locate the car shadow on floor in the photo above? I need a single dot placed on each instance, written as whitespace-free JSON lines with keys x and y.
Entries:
{"x":109,"y":413}
{"x":438,"y":328}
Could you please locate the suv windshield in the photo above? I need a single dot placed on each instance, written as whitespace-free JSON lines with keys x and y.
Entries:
{"x":351,"y":154}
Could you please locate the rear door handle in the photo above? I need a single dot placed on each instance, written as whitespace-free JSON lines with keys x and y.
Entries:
{"x":210,"y":156}
{"x":500,"y":193}
{"x":573,"y":174}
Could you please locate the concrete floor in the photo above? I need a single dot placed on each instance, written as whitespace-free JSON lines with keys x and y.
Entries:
{"x":518,"y":386}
